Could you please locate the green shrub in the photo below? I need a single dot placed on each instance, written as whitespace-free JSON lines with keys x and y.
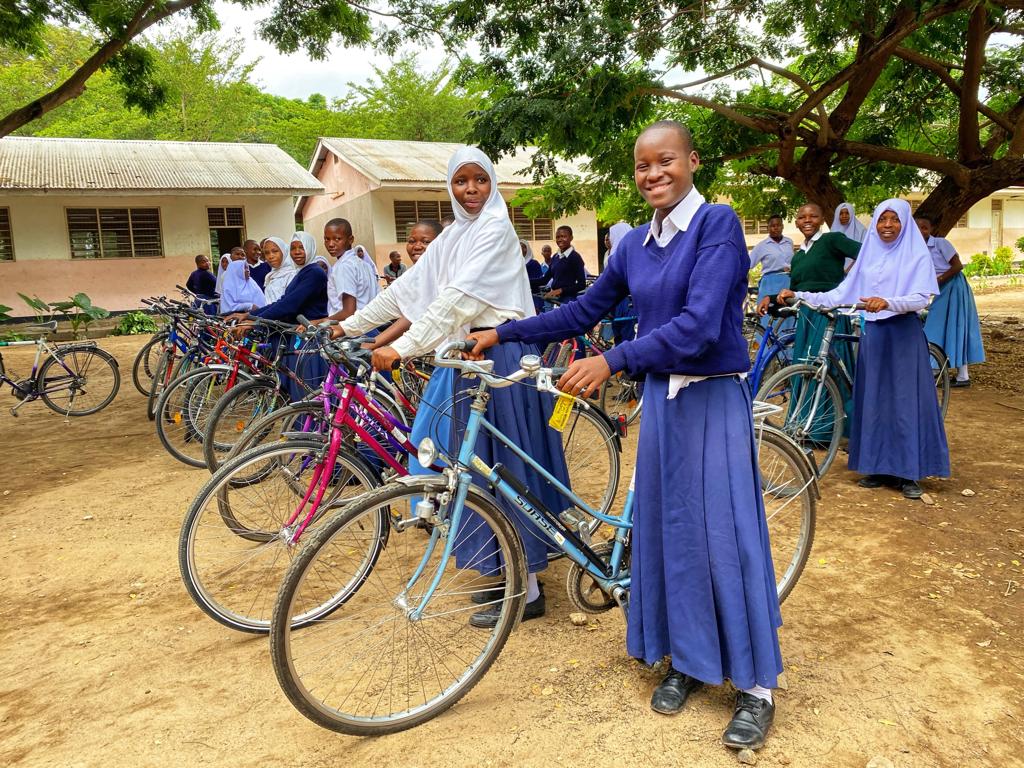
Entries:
{"x":979,"y":266}
{"x":1020,"y":244}
{"x":132,"y":323}
{"x":78,"y":310}
{"x":1002,"y":260}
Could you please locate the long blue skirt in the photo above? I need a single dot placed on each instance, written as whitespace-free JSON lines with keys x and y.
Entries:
{"x":521,"y":413}
{"x":897,"y":427}
{"x":307,"y":364}
{"x":953,"y":323}
{"x":770,"y":285}
{"x":810,"y":329}
{"x":433,"y":416}
{"x":703,"y":585}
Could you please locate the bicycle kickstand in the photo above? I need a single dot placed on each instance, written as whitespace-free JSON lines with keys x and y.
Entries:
{"x":14,"y":410}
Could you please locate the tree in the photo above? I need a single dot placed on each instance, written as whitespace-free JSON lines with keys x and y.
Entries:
{"x":117,"y":25}
{"x":817,"y":98}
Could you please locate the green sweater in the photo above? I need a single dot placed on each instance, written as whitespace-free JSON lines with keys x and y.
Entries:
{"x":821,"y":267}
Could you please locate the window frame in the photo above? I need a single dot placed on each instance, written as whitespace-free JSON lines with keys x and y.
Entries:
{"x":99,"y":231}
{"x":6,"y":209}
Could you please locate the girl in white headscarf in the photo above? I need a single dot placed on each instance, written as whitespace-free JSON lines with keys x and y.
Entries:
{"x":845,"y":221}
{"x":473,"y":276}
{"x":896,"y":436}
{"x":222,"y":271}
{"x":240,"y":292}
{"x":282,"y":268}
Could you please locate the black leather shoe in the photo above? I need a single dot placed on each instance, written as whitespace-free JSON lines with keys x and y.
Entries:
{"x":488,"y":617}
{"x":956,"y":383}
{"x":484,"y":596}
{"x":671,"y":694}
{"x":750,"y":722}
{"x":874,"y":481}
{"x":911,"y":489}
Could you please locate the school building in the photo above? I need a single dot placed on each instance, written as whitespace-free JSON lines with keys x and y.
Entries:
{"x":996,"y":221}
{"x":120,"y":220}
{"x":383,"y":187}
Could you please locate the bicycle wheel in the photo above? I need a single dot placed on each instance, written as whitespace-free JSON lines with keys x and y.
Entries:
{"x":940,"y":370}
{"x":234,"y":546}
{"x":77,"y":381}
{"x":812,"y":411}
{"x":378,"y":665}
{"x":146,"y":362}
{"x":184,"y":407}
{"x":619,"y":395}
{"x":304,"y":419}
{"x":592,"y":458}
{"x":234,"y":413}
{"x":789,"y":491}
{"x":161,"y":378}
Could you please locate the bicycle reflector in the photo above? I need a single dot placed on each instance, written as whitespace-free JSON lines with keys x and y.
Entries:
{"x":426,"y":452}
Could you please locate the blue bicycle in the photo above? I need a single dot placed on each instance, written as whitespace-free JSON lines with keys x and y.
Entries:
{"x":394,"y":576}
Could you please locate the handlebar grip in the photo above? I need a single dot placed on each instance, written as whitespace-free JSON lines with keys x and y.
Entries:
{"x":558,"y":372}
{"x":465,"y":346}
{"x":303,"y":320}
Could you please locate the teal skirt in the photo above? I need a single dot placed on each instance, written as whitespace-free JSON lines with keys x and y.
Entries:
{"x":810,"y":329}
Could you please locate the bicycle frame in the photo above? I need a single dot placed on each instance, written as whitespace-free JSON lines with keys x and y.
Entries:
{"x":32,"y":392}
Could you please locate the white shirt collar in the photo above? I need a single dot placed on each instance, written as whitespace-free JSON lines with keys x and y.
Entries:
{"x":678,"y":219}
{"x":806,"y":246}
{"x":565,"y":254}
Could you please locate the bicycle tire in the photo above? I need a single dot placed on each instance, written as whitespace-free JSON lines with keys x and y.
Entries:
{"x":144,"y":366}
{"x":940,"y":371}
{"x":591,"y":449}
{"x":183,"y":403}
{"x":403,"y":567}
{"x":263,"y":394}
{"x":278,"y":425}
{"x":789,"y":490}
{"x":826,"y":429}
{"x":161,"y":377}
{"x":225,"y":578}
{"x":81,"y":361}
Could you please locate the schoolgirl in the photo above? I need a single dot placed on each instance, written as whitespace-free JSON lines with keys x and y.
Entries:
{"x":240,"y":292}
{"x":845,"y":222}
{"x":952,"y":321}
{"x":282,"y":268}
{"x":703,"y":587}
{"x":473,"y":276}
{"x":897,"y":436}
{"x":222,"y":271}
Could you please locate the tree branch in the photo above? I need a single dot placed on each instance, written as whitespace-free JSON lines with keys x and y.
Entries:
{"x":764,"y":126}
{"x":145,"y":17}
{"x":877,"y":153}
{"x":968,"y":133}
{"x":753,"y":151}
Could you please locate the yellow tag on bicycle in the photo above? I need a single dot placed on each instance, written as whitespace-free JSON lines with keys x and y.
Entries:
{"x":560,"y":416}
{"x":396,"y":375}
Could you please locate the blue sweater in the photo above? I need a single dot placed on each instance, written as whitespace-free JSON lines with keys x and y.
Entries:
{"x":305,"y":295}
{"x":688,"y":297}
{"x":202,"y":283}
{"x":569,"y":274}
{"x":259,"y":273}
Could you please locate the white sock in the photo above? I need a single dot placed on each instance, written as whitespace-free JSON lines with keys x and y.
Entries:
{"x":961,"y":374}
{"x":761,"y":692}
{"x":532,"y":587}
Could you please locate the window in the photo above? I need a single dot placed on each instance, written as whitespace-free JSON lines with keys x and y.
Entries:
{"x":755,"y":226}
{"x":6,"y":241}
{"x":408,"y":212}
{"x":227,"y":229}
{"x":114,"y":233}
{"x":530,"y":229}
{"x":225,"y":217}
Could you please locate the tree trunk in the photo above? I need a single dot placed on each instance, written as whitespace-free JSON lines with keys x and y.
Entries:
{"x":949,"y":201}
{"x":816,"y":183}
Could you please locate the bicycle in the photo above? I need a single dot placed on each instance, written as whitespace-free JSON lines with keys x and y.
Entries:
{"x":391,"y":648}
{"x":809,"y":395}
{"x":73,"y":379}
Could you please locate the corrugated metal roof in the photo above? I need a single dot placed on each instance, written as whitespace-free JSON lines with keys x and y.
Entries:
{"x":87,"y":165}
{"x":424,"y":161}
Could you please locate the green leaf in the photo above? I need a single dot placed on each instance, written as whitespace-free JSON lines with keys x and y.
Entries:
{"x":35,"y":303}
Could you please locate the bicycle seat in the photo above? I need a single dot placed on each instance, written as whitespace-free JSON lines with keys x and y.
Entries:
{"x":49,"y":327}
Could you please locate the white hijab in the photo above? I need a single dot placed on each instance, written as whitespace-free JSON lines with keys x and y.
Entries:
{"x":528,"y":256}
{"x":240,"y":292}
{"x":478,"y":254}
{"x":615,"y":235}
{"x":222,"y":270}
{"x":854,"y":230}
{"x":308,"y":245}
{"x":277,"y":280}
{"x":900,"y":268}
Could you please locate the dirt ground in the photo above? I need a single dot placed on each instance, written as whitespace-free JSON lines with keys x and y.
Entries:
{"x":903,"y":640}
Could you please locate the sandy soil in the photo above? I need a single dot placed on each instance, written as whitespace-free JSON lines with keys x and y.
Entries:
{"x":903,"y":639}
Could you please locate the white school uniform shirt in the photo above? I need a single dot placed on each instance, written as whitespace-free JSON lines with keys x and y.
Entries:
{"x":942,"y":253}
{"x":351,"y":275}
{"x":772,"y":256}
{"x":678,"y":220}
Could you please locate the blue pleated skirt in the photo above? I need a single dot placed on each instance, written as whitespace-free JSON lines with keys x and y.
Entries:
{"x":770,"y":285}
{"x":434,"y":416}
{"x":897,"y":427}
{"x":703,"y":585}
{"x":521,"y":413}
{"x":953,"y":323}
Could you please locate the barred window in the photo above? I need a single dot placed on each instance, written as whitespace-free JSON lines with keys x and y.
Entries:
{"x":755,"y":226}
{"x":225,"y":217}
{"x":530,"y":229}
{"x":114,"y":233}
{"x":6,"y":240}
{"x":408,"y":212}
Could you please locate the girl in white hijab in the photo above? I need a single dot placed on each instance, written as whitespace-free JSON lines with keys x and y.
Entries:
{"x":896,"y":435}
{"x":240,"y":292}
{"x":853,"y":229}
{"x":282,"y":268}
{"x":222,"y":271}
{"x":474,"y":276}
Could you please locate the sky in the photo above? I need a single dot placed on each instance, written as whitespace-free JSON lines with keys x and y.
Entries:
{"x":296,"y":75}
